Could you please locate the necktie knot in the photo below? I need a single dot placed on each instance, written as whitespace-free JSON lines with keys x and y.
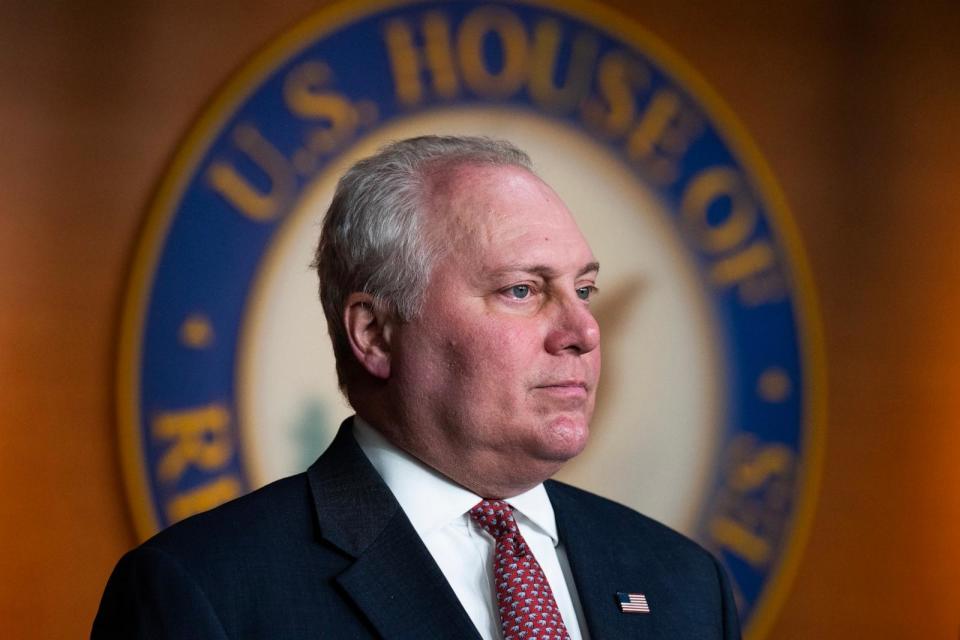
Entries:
{"x":495,"y":517}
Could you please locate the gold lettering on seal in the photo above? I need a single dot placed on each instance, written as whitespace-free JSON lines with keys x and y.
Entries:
{"x":612,"y":111}
{"x":706,"y":189}
{"x":509,"y":31}
{"x":197,"y":437}
{"x":304,"y":91}
{"x":408,"y":62}
{"x":751,"y":266}
{"x":434,"y":59}
{"x":663,"y":134}
{"x":752,"y":505}
{"x":262,"y":206}
{"x":543,"y":64}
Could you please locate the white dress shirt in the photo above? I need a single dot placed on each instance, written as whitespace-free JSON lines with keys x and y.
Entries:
{"x":439,"y":509}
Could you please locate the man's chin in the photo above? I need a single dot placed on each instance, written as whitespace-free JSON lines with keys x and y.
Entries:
{"x":565,"y":439}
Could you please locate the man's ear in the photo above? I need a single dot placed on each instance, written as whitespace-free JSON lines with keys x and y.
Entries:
{"x":368,"y":331}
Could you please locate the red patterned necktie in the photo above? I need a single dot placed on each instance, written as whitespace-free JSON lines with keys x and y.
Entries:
{"x":527,"y":608}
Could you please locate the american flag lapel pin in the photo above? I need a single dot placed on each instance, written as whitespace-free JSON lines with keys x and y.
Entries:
{"x":632,"y":602}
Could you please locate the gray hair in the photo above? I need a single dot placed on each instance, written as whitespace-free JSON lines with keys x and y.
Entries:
{"x":374,"y":237}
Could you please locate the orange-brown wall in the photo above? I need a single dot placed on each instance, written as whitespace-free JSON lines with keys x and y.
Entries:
{"x":855,"y":105}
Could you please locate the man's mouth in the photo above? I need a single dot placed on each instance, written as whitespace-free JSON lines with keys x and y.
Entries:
{"x":572,"y":389}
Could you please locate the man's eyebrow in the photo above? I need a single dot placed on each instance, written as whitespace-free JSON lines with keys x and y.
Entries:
{"x":588,"y":268}
{"x":543,"y":270}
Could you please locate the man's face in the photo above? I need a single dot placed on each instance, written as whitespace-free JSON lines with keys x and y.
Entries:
{"x":498,"y":375}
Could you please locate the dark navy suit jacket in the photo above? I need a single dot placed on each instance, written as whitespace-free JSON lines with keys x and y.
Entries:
{"x":330,"y":554}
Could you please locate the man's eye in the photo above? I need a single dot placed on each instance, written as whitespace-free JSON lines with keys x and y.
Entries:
{"x":520,"y":291}
{"x":584,"y":293}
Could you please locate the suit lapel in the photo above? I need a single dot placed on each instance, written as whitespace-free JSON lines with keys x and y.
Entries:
{"x":604,"y":563}
{"x":402,"y":591}
{"x":393,"y":580}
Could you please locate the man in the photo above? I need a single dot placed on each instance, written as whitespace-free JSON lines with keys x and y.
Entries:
{"x":457,"y":290}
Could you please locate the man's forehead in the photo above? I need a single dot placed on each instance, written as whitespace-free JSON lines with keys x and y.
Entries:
{"x":474,"y":199}
{"x":495,"y":200}
{"x":546,"y":271}
{"x":502,"y":245}
{"x":498,"y":218}
{"x":465,"y":177}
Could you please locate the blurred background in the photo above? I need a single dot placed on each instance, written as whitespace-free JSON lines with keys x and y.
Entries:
{"x":855,"y":105}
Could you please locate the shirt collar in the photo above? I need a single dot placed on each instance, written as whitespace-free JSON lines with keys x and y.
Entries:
{"x":535,"y":506}
{"x":432,"y":500}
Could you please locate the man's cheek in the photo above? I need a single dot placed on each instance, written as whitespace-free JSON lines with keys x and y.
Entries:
{"x":596,"y":362}
{"x":512,"y":340}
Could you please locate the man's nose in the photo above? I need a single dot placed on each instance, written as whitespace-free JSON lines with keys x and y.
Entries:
{"x":574,"y":328}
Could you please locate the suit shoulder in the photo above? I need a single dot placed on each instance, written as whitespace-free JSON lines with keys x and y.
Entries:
{"x":280,"y":511}
{"x":622,"y":522}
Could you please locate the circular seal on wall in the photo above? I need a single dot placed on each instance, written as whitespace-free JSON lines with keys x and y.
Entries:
{"x":710,"y":410}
